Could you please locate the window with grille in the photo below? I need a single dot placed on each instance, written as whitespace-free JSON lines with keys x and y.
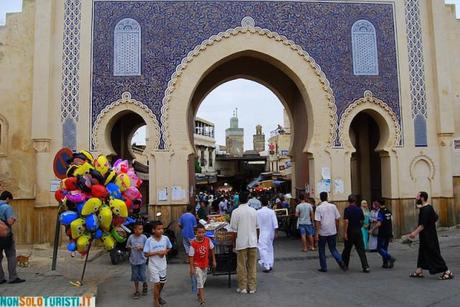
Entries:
{"x":364,"y":45}
{"x":127,"y":48}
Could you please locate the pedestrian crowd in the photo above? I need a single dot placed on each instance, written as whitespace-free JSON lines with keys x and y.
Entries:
{"x":255,"y":226}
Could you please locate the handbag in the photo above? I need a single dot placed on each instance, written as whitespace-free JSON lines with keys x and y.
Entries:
{"x":6,"y":235}
{"x":375,"y":231}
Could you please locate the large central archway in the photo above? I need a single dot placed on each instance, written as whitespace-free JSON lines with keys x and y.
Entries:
{"x":264,"y":57}
{"x":258,"y":67}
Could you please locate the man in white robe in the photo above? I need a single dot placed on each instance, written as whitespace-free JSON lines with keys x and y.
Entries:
{"x":268,"y":228}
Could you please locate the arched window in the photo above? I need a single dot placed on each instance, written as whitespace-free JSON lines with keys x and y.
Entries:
{"x":364,"y":43}
{"x":127,"y":48}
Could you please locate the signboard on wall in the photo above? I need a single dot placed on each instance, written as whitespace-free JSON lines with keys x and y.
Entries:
{"x":457,"y":144}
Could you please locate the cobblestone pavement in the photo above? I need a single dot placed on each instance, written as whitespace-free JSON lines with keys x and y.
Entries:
{"x":295,"y":281}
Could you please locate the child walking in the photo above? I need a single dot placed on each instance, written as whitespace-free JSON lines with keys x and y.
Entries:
{"x":156,"y":248}
{"x":135,"y":244}
{"x":199,"y":260}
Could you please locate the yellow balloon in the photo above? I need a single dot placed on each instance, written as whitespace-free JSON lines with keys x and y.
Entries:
{"x":77,"y":228}
{"x":92,"y":205}
{"x":119,"y":207}
{"x":109,"y":241}
{"x":110,"y":177}
{"x":83,"y":169}
{"x":88,"y":155}
{"x":105,"y":218}
{"x":83,"y":243}
{"x":123,"y":182}
{"x":102,"y":165}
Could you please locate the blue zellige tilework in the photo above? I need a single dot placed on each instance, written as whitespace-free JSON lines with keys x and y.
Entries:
{"x":171,"y":29}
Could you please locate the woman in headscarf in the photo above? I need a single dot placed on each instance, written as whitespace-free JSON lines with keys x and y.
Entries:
{"x":366,"y":223}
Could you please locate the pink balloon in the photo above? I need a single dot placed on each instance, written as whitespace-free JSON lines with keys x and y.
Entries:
{"x":132,"y":193}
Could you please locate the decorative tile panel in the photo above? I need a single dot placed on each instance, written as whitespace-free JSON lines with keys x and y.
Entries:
{"x":171,"y":29}
{"x":416,"y":71}
{"x":365,"y":54}
{"x":127,"y":48}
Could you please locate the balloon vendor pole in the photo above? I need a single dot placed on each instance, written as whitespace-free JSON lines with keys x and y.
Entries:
{"x":84,"y":266}
{"x":57,"y":233}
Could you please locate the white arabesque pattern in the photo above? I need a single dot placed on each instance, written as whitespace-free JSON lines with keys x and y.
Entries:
{"x":71,"y":61}
{"x":127,"y":48}
{"x":365,"y":53}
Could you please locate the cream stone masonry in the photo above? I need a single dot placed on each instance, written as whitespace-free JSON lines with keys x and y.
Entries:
{"x":31,"y":129}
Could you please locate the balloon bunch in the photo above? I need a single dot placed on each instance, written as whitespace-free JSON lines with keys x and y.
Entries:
{"x":96,"y":198}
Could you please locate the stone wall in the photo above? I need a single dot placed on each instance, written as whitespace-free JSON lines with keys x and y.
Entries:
{"x":17,"y":168}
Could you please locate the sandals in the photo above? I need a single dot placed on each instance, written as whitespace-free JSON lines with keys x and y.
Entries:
{"x":136,"y":295}
{"x":446,"y":275}
{"x":416,"y":275}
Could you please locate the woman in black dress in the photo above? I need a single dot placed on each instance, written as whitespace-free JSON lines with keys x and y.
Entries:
{"x":429,"y":254}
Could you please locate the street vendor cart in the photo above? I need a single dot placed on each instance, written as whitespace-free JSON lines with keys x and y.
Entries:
{"x":222,"y":238}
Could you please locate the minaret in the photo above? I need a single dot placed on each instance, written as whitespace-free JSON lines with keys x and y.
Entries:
{"x":258,"y":139}
{"x":234,"y":137}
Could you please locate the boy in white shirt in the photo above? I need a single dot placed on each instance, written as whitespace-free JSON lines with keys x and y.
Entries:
{"x":156,"y":248}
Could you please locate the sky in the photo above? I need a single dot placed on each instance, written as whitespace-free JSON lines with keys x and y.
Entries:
{"x":256,"y":104}
{"x":9,"y":6}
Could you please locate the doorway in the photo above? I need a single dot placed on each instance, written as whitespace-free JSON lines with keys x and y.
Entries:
{"x":366,"y":170}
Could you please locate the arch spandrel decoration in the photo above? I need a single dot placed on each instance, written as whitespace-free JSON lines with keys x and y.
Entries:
{"x":371,"y":103}
{"x":126,"y":103}
{"x":248,"y":28}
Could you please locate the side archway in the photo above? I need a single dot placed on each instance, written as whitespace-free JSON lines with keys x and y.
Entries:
{"x":369,"y":131}
{"x":390,"y":130}
{"x":101,"y":134}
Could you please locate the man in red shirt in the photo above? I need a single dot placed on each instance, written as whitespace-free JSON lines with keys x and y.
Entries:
{"x":199,"y":259}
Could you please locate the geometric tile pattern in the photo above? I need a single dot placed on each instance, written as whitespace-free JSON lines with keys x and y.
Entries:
{"x":171,"y":29}
{"x":70,"y":91}
{"x":416,"y":70}
{"x":127,"y":48}
{"x":365,"y":54}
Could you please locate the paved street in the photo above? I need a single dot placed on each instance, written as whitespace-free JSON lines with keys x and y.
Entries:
{"x":296,"y":282}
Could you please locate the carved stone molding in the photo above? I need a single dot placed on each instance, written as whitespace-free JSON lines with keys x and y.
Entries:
{"x":425,"y":158}
{"x":248,"y":28}
{"x":3,"y":136}
{"x":382,"y":108}
{"x":41,"y":145}
{"x":133,"y":105}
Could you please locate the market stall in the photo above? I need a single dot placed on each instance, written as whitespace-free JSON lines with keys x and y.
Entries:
{"x":217,"y":229}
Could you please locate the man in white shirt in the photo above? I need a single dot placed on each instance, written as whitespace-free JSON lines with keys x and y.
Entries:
{"x":223,"y":206}
{"x":327,"y":222}
{"x":254,"y":202}
{"x":268,"y":227}
{"x":244,"y":224}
